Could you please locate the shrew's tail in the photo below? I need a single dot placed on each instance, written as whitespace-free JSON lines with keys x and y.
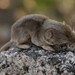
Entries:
{"x":6,"y":46}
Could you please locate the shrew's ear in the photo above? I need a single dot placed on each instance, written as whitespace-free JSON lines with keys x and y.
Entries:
{"x":48,"y":34}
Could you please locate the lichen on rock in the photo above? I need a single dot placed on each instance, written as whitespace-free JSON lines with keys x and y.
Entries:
{"x":36,"y":61}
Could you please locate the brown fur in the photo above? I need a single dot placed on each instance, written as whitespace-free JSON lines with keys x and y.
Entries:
{"x":41,"y":31}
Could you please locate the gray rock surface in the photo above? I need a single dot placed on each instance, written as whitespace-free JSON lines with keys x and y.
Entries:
{"x":36,"y":61}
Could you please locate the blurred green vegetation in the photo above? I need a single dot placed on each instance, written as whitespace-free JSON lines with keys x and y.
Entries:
{"x":53,"y":8}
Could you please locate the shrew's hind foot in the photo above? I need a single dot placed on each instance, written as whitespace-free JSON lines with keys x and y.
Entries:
{"x":24,"y":46}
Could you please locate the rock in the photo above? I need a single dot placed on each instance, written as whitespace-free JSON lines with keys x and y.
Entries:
{"x":36,"y":61}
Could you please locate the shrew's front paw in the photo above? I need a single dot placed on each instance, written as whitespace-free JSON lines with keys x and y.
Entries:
{"x":49,"y":48}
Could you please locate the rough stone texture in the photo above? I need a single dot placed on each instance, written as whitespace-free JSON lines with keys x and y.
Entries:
{"x":37,"y":61}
